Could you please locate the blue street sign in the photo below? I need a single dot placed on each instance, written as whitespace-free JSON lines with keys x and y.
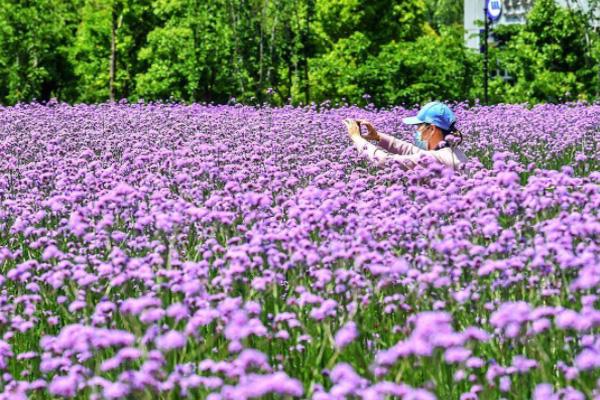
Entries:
{"x":494,"y":9}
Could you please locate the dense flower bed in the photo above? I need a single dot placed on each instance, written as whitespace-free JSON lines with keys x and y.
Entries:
{"x":232,"y":252}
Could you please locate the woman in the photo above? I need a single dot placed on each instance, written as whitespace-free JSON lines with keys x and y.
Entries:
{"x":434,"y":123}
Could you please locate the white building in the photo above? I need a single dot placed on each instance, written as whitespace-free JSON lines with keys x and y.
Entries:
{"x":513,"y":12}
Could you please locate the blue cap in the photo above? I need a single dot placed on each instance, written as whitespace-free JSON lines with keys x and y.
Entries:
{"x":435,"y":113}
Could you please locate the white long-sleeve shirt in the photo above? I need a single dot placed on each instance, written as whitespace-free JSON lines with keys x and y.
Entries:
{"x":409,"y":154}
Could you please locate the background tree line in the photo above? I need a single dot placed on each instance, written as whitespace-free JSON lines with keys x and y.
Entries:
{"x":384,"y":52}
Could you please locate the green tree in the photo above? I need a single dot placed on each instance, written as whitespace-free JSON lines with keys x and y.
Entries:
{"x":397,"y":51}
{"x":335,"y":75}
{"x":191,"y":54}
{"x":440,"y":13}
{"x":432,"y":67}
{"x":105,"y":47}
{"x":33,"y":57}
{"x":347,"y":65}
{"x":381,"y":21}
{"x":549,"y":59}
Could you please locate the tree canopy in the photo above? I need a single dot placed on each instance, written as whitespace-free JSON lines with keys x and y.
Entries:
{"x":384,"y":52}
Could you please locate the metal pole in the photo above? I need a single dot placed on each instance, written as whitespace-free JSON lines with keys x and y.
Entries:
{"x":485,"y":53}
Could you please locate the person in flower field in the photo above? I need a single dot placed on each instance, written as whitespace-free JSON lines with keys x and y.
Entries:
{"x":435,"y":130}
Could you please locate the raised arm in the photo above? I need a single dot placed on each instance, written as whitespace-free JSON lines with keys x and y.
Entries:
{"x":388,"y":142}
{"x":376,"y":154}
{"x":407,"y":161}
{"x":380,"y":156}
{"x":397,"y":146}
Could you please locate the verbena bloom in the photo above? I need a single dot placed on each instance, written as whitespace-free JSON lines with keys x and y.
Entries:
{"x":170,"y":341}
{"x":346,"y":335}
{"x":131,"y":227}
{"x":588,"y":359}
{"x":543,"y":391}
{"x":505,"y":384}
{"x":253,"y":386}
{"x":64,"y":386}
{"x":456,"y":354}
{"x":115,"y":390}
{"x":327,"y":308}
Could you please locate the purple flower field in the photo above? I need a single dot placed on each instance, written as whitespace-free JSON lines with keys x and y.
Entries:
{"x":233,"y":252}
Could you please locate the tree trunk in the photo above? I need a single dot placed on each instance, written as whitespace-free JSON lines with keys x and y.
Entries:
{"x":237,"y":56}
{"x":305,"y":46}
{"x":195,"y":39}
{"x":271,"y":66}
{"x":260,"y":53}
{"x":297,"y":37}
{"x":113,"y":54}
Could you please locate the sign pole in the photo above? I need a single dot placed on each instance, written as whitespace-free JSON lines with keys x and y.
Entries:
{"x":492,"y":10}
{"x":485,"y":53}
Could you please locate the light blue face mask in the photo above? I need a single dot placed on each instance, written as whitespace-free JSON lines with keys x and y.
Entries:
{"x":419,"y":142}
